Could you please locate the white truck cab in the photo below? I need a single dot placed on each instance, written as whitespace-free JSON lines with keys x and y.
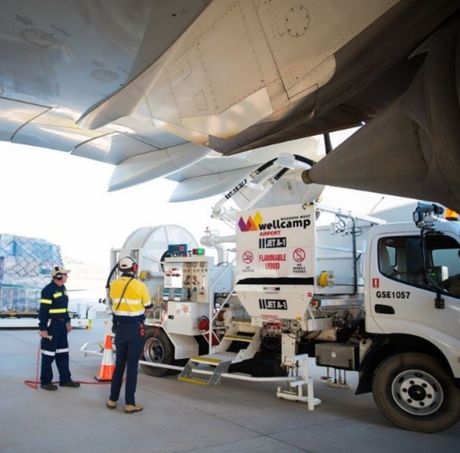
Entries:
{"x":412,"y":322}
{"x":404,"y":296}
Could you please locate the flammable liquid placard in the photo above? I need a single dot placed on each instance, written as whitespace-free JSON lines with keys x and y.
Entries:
{"x":276,"y":242}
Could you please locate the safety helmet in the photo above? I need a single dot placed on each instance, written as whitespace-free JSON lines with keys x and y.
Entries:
{"x":59,"y":271}
{"x":127,"y":264}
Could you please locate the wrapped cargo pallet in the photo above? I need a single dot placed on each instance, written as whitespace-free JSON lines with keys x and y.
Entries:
{"x":25,"y":268}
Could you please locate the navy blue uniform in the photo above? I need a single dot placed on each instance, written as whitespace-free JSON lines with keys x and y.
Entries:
{"x":54,"y":316}
{"x":129,"y":341}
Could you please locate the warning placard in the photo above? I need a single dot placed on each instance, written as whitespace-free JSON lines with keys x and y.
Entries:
{"x":299,"y":255}
{"x":248,"y":257}
{"x":276,"y":242}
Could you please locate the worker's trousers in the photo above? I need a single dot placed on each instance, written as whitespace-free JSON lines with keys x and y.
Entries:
{"x":56,"y":348}
{"x":129,"y":342}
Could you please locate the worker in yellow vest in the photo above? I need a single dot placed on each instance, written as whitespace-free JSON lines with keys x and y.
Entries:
{"x":130,"y":297}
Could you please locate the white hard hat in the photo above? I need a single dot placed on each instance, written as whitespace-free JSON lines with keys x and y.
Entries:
{"x":58,"y":271}
{"x":127,"y":264}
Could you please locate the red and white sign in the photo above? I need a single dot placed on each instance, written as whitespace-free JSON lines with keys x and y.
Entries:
{"x":248,"y":257}
{"x":280,"y":244}
{"x":299,"y":255}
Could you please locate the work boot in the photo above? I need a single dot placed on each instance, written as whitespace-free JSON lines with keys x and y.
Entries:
{"x":49,"y":386}
{"x":111,"y":404}
{"x":131,"y":408}
{"x":72,"y":384}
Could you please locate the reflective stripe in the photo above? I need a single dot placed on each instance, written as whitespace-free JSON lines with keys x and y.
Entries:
{"x":59,"y":351}
{"x":50,"y":353}
{"x":128,"y":313}
{"x":46,"y":301}
{"x":130,"y":306}
{"x":58,"y":310}
{"x":58,"y":294}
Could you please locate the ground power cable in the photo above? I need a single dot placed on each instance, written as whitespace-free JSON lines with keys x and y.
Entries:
{"x":34,"y":383}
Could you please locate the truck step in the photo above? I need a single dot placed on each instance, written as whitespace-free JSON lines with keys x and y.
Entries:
{"x":214,"y":359}
{"x":206,"y":360}
{"x":193,"y":380}
{"x":243,"y":338}
{"x":190,"y":374}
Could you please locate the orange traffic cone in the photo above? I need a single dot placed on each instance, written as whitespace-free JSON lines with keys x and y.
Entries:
{"x":108,"y":362}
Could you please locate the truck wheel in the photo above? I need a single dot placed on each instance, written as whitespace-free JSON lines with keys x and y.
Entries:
{"x":158,"y":349}
{"x":415,"y":392}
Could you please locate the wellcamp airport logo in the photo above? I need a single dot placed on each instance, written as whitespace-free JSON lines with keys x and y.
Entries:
{"x":256,"y":223}
{"x":252,"y":224}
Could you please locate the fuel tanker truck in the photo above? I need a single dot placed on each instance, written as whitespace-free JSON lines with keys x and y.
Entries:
{"x":353,"y":294}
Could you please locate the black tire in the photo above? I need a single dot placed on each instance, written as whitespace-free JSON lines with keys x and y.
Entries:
{"x":158,"y":349}
{"x":415,"y":392}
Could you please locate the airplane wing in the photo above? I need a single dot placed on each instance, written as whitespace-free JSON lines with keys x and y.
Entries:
{"x":61,"y":57}
{"x":152,"y":86}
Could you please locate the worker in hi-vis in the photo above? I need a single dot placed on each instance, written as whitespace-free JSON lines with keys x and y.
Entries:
{"x":54,"y":326}
{"x":130,"y":297}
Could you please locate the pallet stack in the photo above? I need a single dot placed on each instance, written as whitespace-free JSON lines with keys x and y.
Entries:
{"x":25,"y":268}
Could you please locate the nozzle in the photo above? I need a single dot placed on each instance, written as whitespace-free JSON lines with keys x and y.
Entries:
{"x":306,"y":178}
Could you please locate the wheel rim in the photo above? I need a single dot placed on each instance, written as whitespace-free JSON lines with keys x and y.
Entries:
{"x":417,"y":392}
{"x":153,"y":350}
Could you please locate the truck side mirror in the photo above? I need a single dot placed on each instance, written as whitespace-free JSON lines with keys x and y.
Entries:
{"x":439,"y":300}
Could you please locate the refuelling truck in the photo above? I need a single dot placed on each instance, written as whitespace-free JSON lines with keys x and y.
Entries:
{"x":355,"y":294}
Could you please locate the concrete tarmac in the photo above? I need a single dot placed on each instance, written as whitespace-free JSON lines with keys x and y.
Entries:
{"x":179,"y":417}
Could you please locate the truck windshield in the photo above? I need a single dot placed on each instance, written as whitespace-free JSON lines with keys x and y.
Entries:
{"x":400,"y":258}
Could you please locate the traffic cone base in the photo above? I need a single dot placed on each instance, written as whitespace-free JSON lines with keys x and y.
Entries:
{"x":108,"y":362}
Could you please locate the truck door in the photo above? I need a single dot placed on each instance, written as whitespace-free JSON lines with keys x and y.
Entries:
{"x":405,"y":281}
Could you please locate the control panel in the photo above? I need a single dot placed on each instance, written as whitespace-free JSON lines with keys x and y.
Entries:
{"x":187,"y":278}
{"x":189,"y":289}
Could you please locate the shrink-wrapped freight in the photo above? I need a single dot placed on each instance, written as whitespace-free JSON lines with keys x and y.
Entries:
{"x":25,"y":268}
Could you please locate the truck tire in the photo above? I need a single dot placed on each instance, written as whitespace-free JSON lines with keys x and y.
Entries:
{"x":158,"y":349}
{"x":415,"y":392}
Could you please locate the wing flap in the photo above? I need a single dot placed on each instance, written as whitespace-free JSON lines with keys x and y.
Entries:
{"x":155,"y":164}
{"x":14,"y":114}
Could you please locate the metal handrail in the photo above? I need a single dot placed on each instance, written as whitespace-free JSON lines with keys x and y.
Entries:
{"x":212,"y":315}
